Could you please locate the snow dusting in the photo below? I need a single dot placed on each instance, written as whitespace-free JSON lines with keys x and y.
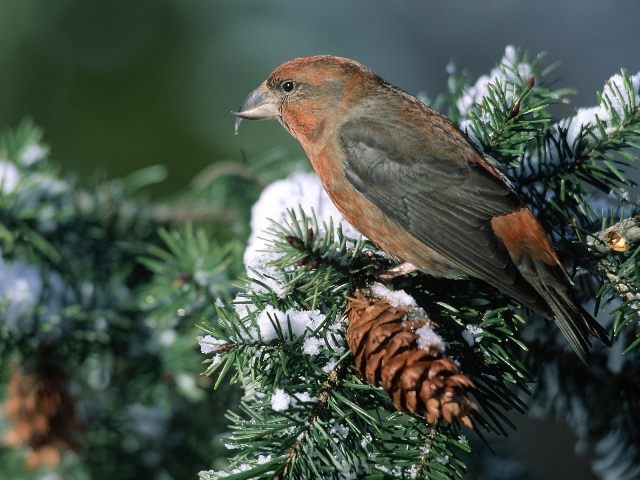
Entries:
{"x":614,"y":102}
{"x":299,"y":190}
{"x":291,"y":323}
{"x":209,"y":344}
{"x":330,"y":365}
{"x":505,"y":75}
{"x":311,"y":345}
{"x":9,"y":177}
{"x":280,"y":400}
{"x":471,"y":334}
{"x":395,"y":298}
{"x":32,"y":153}
{"x":429,"y":340}
{"x":339,"y":432}
{"x":304,"y":397}
{"x":426,"y":337}
{"x":24,"y":289}
{"x":584,"y":120}
{"x":263,"y":459}
{"x":615,"y":93}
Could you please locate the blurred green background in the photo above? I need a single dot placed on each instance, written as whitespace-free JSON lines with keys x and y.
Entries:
{"x":118,"y":85}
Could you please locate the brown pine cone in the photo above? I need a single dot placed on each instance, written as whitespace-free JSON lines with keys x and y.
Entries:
{"x":42,"y":412}
{"x":397,"y":347}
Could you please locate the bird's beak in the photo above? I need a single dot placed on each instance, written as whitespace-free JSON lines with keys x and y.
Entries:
{"x":261,"y":104}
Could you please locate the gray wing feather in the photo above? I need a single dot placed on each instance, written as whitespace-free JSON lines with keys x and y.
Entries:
{"x":445,"y":202}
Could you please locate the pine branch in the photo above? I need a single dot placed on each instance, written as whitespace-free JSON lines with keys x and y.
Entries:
{"x":285,"y":323}
{"x":616,"y":249}
{"x":190,"y":274}
{"x":270,"y":343}
{"x":105,"y":283}
{"x":583,"y":147}
{"x":69,"y":284}
{"x":508,"y":109}
{"x":620,"y":237}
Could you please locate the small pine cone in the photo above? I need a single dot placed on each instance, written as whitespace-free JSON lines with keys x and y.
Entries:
{"x":42,"y":412}
{"x":396,"y":347}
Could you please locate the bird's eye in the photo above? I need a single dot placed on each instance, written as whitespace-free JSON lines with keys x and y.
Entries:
{"x":287,"y":85}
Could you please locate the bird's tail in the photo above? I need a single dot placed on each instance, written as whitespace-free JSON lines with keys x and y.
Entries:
{"x":576,"y":324}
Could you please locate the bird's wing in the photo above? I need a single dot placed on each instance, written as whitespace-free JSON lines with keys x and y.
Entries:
{"x":443,"y":199}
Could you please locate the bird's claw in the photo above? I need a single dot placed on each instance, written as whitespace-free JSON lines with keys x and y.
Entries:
{"x":389,"y":274}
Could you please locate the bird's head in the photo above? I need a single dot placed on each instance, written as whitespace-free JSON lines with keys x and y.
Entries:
{"x":306,"y":94}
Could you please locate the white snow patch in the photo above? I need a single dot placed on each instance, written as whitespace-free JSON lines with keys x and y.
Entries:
{"x":32,"y":153}
{"x":280,"y":400}
{"x":427,"y":339}
{"x":471,"y":334}
{"x":298,"y":190}
{"x":9,"y":177}
{"x":395,"y":298}
{"x":311,"y":345}
{"x":209,"y":344}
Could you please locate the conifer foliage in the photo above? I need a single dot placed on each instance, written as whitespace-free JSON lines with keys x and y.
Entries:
{"x":98,"y":294}
{"x":103,"y":294}
{"x":448,"y":355}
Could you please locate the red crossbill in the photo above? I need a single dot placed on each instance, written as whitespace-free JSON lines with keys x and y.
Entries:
{"x":412,"y":182}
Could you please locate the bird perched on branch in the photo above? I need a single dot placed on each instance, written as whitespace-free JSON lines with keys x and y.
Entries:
{"x":412,"y":182}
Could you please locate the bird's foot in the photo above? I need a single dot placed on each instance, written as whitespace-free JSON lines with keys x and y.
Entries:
{"x":394,"y":272}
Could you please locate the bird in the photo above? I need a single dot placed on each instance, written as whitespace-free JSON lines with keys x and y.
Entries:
{"x":412,"y":182}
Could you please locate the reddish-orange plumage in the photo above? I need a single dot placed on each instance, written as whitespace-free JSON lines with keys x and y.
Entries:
{"x":411,"y":181}
{"x":522,"y":235}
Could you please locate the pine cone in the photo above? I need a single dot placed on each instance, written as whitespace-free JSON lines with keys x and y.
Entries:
{"x":396,"y":347}
{"x":42,"y":411}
